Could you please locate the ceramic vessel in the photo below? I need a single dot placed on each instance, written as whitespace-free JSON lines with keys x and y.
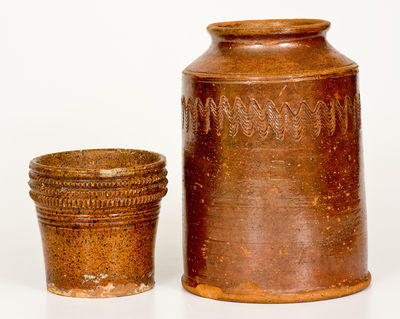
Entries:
{"x":274,"y":207}
{"x":97,"y":212}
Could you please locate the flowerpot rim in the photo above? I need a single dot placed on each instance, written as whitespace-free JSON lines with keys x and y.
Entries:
{"x":268,"y":27}
{"x":73,"y":164}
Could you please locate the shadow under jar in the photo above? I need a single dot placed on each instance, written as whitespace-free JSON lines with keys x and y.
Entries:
{"x":97,"y":212}
{"x":274,"y":207}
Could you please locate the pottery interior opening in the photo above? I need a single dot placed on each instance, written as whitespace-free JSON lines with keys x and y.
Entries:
{"x":98,"y":159}
{"x":269,"y":27}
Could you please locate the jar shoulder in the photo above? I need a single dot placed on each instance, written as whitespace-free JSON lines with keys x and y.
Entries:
{"x":313,"y":58}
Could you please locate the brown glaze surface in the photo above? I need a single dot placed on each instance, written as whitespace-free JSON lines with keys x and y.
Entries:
{"x":273,"y":185}
{"x":98,"y":212}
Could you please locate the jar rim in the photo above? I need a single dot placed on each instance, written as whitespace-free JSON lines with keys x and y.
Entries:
{"x":269,"y":27}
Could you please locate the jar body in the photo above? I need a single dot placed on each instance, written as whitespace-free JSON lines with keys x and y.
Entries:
{"x":273,"y":186}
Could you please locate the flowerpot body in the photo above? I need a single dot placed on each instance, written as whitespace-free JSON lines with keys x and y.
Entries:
{"x":97,"y":212}
{"x":274,"y":207}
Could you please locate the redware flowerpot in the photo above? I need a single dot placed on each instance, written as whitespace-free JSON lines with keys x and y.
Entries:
{"x":273,"y":183}
{"x":97,"y":212}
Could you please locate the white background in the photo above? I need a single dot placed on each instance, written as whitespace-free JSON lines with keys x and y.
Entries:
{"x":89,"y":74}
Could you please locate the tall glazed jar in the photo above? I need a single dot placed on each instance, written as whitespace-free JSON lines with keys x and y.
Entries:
{"x":274,"y":207}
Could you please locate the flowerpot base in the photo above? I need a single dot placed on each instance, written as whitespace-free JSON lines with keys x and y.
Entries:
{"x":102,"y":291}
{"x":253,"y":294}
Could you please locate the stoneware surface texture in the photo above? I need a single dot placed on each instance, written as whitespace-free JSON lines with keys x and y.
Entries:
{"x":97,"y":212}
{"x":274,"y":207}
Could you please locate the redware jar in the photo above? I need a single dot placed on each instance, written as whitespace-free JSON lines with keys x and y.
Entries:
{"x":274,"y":207}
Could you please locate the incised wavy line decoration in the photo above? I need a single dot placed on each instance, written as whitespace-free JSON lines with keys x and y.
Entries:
{"x":268,"y":118}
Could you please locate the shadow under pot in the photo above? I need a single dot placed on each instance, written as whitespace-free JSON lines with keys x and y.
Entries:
{"x":98,"y":212}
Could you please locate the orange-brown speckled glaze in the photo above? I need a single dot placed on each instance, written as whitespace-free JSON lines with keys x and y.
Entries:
{"x":273,"y":186}
{"x":97,"y":212}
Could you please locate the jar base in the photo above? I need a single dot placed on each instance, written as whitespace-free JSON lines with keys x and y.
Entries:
{"x":256,"y":296}
{"x":107,"y":291}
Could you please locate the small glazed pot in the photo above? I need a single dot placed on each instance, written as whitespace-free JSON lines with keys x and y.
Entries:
{"x":97,"y":212}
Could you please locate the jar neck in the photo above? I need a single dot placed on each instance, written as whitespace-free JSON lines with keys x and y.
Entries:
{"x":268,"y":31}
